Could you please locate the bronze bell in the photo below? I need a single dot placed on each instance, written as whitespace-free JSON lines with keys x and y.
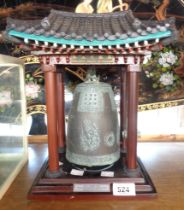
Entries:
{"x":93,"y":130}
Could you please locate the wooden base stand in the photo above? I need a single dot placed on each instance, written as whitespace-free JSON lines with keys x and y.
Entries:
{"x":68,"y":187}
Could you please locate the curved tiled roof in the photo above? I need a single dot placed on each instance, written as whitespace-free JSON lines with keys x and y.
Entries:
{"x":77,"y":29}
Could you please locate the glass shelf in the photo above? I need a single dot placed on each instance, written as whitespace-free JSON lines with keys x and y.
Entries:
{"x":13,"y":142}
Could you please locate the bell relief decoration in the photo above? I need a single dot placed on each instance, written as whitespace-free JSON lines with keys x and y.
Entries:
{"x":89,"y":137}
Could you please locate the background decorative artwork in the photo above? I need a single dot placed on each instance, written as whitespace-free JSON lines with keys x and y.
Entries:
{"x":162,"y":77}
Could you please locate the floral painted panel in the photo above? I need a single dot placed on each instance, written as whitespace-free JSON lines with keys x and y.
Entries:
{"x":163,"y":76}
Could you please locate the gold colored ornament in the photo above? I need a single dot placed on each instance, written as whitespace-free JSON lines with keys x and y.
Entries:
{"x":161,"y":11}
{"x":106,"y":6}
{"x":84,"y":7}
{"x":122,"y":6}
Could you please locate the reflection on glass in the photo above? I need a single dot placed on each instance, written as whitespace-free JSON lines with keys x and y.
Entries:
{"x":13,"y":145}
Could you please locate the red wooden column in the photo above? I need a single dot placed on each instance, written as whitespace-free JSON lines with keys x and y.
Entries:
{"x":61,"y":111}
{"x":132,"y":82}
{"x":51,"y":103}
{"x":123,"y":111}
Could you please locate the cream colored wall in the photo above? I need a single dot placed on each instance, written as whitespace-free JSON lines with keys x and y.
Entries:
{"x":162,"y":124}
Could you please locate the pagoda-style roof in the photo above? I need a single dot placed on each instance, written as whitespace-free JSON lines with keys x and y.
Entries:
{"x":89,"y":31}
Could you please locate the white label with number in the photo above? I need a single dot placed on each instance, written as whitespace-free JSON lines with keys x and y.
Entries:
{"x":107,"y":173}
{"x":124,"y":189}
{"x":77,"y":172}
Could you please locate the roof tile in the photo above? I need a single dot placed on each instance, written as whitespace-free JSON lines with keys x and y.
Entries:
{"x":90,"y":27}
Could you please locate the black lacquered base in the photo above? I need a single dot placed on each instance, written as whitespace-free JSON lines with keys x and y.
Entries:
{"x":91,"y":185}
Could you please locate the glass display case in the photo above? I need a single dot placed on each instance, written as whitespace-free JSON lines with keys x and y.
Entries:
{"x":13,"y":142}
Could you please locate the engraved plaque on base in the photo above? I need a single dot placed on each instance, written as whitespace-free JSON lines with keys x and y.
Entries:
{"x":91,"y":188}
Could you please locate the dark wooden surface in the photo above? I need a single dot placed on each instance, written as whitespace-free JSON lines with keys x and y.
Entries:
{"x":163,"y":161}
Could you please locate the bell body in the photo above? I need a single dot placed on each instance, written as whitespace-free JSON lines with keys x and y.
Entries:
{"x":93,"y":130}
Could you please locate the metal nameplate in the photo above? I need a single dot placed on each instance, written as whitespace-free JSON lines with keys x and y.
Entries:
{"x":91,"y":188}
{"x":92,"y":59}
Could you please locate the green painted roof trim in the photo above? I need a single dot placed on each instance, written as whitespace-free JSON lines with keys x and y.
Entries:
{"x":84,"y":42}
